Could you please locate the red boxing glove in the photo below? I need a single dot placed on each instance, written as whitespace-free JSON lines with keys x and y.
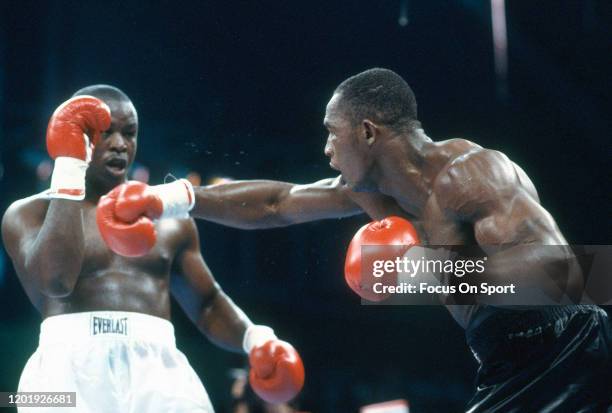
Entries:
{"x":125,"y":215}
{"x":69,"y":144}
{"x":277,"y":371}
{"x":383,"y":240}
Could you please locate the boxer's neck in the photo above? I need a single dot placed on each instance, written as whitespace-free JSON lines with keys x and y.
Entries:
{"x":402,"y":169}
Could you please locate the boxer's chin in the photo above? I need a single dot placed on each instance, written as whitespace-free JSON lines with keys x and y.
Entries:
{"x":106,"y":178}
{"x":116,"y":167}
{"x":116,"y":172}
{"x":112,"y":175}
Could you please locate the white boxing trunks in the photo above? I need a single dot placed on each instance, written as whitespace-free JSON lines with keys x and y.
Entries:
{"x":116,"y":362}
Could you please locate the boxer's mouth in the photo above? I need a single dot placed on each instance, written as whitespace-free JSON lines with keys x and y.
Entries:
{"x":331,"y":165}
{"x":116,"y":165}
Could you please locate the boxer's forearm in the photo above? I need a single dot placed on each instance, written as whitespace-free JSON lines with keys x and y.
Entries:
{"x":241,"y":204}
{"x":223,"y":322}
{"x":56,"y":255}
{"x":267,"y":204}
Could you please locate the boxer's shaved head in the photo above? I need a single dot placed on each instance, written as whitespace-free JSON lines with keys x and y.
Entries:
{"x":104,"y":92}
{"x":382,"y":96}
{"x":114,"y":97}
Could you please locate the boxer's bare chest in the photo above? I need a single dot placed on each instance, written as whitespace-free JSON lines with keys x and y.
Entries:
{"x":439,"y":227}
{"x":110,"y":282}
{"x":98,"y":258}
{"x":443,"y":228}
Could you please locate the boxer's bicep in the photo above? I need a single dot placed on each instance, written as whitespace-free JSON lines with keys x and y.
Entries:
{"x":524,"y":244}
{"x":517,"y":219}
{"x":10,"y":234}
{"x":483,"y":188}
{"x":19,"y":232}
{"x":508,"y":218}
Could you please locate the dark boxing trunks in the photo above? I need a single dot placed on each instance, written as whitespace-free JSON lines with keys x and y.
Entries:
{"x":547,"y":359}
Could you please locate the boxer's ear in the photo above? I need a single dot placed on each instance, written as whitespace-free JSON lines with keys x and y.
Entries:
{"x":370,"y":131}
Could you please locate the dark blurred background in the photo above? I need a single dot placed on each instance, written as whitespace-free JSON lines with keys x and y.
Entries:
{"x":238,"y":89}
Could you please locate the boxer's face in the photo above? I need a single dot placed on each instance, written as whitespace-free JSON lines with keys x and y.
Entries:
{"x":115,"y":151}
{"x":346,"y":146}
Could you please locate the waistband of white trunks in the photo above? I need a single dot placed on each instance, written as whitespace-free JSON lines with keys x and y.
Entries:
{"x":98,"y":325}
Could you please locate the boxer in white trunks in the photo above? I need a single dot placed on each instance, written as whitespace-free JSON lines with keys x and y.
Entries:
{"x":106,"y":333}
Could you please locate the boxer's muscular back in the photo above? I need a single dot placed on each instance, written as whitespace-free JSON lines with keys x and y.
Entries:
{"x":475,"y":182}
{"x":106,"y":281}
{"x":461,"y":158}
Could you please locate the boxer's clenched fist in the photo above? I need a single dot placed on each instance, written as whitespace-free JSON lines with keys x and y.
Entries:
{"x":383,"y":240}
{"x":277,"y":371}
{"x":125,"y":215}
{"x":71,"y":124}
{"x":70,"y":128}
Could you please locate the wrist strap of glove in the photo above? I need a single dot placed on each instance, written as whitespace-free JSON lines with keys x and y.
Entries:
{"x":68,"y":179}
{"x":177,"y":198}
{"x":256,"y":335}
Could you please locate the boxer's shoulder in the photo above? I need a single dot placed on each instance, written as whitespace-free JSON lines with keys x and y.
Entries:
{"x":476,"y":178}
{"x":457,"y":146}
{"x":479,"y":157}
{"x":474,"y":167}
{"x":177,"y":232}
{"x":27,"y":208}
{"x":176,"y":226}
{"x":21,"y":220}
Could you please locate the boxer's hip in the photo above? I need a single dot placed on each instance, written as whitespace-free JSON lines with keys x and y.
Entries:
{"x":533,"y":359}
{"x":115,"y":362}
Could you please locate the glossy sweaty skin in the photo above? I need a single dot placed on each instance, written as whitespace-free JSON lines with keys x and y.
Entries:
{"x":65,"y":267}
{"x":455,"y":192}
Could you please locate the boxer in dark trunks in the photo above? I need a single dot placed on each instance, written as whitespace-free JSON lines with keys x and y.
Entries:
{"x":531,"y":359}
